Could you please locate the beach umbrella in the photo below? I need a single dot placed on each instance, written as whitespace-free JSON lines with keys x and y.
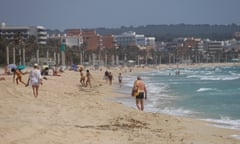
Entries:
{"x":12,"y":66}
{"x":21,"y":67}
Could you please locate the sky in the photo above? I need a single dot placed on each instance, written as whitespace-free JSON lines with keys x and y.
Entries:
{"x":65,"y":14}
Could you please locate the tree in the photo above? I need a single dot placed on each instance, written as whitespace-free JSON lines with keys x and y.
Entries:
{"x":19,"y":44}
{"x":31,"y":46}
{"x":3,"y":45}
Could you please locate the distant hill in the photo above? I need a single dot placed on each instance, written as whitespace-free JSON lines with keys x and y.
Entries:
{"x":168,"y":32}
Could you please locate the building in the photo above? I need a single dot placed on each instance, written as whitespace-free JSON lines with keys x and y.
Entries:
{"x":237,"y":34}
{"x":132,"y":39}
{"x":126,"y":39}
{"x":73,"y":37}
{"x":214,"y":47}
{"x":91,"y":39}
{"x":140,"y":40}
{"x":39,"y":32}
{"x":108,"y":41}
{"x":151,"y":41}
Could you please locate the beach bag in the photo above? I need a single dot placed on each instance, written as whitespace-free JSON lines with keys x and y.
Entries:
{"x":135,"y":91}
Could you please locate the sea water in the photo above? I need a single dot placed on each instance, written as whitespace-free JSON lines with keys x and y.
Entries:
{"x":208,"y":93}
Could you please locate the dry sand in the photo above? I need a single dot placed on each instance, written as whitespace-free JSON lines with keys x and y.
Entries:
{"x":66,"y":113}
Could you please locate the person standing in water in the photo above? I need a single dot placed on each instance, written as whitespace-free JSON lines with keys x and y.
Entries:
{"x":120,"y":79}
{"x":140,"y":87}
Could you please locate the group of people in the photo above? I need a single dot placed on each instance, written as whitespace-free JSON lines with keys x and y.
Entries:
{"x":139,"y":87}
{"x":108,"y":77}
{"x":34,"y":79}
{"x":88,"y":78}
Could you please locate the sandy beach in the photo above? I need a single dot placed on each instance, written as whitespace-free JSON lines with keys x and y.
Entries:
{"x":67,"y":113}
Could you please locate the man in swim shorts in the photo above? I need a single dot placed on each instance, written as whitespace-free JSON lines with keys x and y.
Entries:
{"x":142,"y":93}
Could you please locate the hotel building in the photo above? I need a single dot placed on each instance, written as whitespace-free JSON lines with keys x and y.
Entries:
{"x":39,"y":32}
{"x":73,"y":37}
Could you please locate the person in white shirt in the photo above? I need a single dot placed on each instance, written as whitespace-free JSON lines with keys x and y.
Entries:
{"x":35,"y":79}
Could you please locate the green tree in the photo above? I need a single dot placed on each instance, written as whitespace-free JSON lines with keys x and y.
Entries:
{"x":3,"y":45}
{"x":31,"y":46}
{"x":18,"y":44}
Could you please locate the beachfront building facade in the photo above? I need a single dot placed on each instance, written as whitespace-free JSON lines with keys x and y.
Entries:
{"x":125,"y":39}
{"x":91,"y":39}
{"x":92,"y":47}
{"x":215,"y":50}
{"x":197,"y":50}
{"x":9,"y":32}
{"x":73,"y":37}
{"x":151,"y":41}
{"x":135,"y":43}
{"x":98,"y":47}
{"x":132,"y":39}
{"x":140,"y":40}
{"x":108,"y":41}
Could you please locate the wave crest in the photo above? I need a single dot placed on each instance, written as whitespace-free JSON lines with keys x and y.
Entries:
{"x":206,"y":89}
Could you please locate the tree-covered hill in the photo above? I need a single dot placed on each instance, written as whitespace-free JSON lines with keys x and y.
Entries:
{"x":168,"y":32}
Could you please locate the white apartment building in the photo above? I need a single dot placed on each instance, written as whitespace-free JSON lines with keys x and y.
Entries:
{"x":150,"y":41}
{"x":73,"y":37}
{"x":71,"y":41}
{"x":131,"y":38}
{"x":126,"y":38}
{"x":214,"y":47}
{"x":140,"y":40}
{"x":39,"y":32}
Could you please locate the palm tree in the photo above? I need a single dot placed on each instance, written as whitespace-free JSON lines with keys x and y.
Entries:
{"x":54,"y":47}
{"x":3,"y":44}
{"x":83,"y":49}
{"x":30,"y":46}
{"x":19,"y":44}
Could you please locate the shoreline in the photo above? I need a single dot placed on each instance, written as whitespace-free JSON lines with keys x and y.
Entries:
{"x":220,"y":123}
{"x":65,"y":112}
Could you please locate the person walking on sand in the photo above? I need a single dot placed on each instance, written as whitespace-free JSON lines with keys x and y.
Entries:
{"x":89,"y":77}
{"x":82,"y":78}
{"x":35,"y":79}
{"x":140,"y":87}
{"x":110,"y":77}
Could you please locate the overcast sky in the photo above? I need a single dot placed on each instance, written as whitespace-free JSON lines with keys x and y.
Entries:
{"x":64,"y":14}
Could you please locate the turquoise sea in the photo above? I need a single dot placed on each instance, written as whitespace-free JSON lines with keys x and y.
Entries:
{"x":208,"y":93}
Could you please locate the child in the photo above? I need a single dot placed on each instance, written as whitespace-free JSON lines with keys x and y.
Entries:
{"x":82,"y":78}
{"x":89,"y":77}
{"x":19,"y":74}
